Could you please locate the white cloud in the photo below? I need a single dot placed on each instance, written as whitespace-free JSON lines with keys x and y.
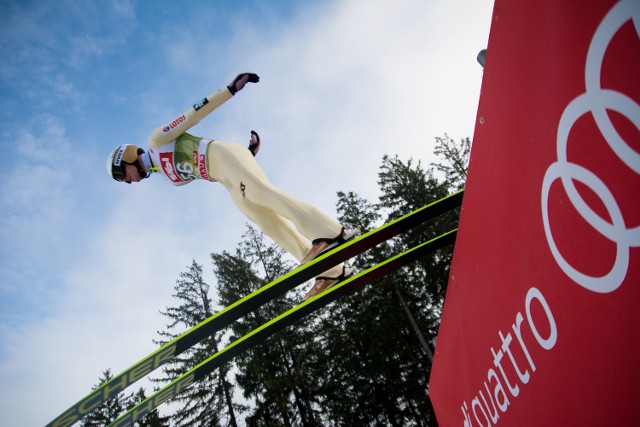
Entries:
{"x":51,"y":44}
{"x":341,"y":88}
{"x":33,"y":198}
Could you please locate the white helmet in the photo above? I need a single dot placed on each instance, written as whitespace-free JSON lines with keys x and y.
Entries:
{"x":126,"y":153}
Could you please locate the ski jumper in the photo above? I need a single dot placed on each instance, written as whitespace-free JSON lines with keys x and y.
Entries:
{"x":182,"y":158}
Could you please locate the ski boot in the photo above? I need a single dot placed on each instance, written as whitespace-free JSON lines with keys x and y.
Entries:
{"x":322,"y":245}
{"x":323,"y":283}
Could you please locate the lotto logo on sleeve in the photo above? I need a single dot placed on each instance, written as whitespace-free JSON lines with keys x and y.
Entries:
{"x":174,"y":123}
{"x":166,"y":161}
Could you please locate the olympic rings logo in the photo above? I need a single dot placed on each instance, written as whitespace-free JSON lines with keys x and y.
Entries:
{"x":596,"y":101}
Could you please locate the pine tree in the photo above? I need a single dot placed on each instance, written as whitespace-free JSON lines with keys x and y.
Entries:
{"x":454,"y":160}
{"x":365,"y":379}
{"x":208,"y":402}
{"x":272,"y":375}
{"x":153,"y":418}
{"x":110,"y":411}
{"x":377,"y":381}
{"x":118,"y":405}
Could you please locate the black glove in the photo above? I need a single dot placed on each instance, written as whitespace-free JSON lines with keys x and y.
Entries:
{"x":254,"y":143}
{"x":241,"y":79}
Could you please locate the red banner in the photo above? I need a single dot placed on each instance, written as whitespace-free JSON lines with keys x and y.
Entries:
{"x":541,"y":323}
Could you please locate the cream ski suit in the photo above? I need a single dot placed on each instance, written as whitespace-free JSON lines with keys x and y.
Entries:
{"x":181,"y":158}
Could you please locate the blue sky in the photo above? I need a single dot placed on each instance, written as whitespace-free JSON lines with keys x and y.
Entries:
{"x":87,"y":263}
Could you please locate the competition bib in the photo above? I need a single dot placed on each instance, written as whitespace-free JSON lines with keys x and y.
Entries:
{"x":183,"y":160}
